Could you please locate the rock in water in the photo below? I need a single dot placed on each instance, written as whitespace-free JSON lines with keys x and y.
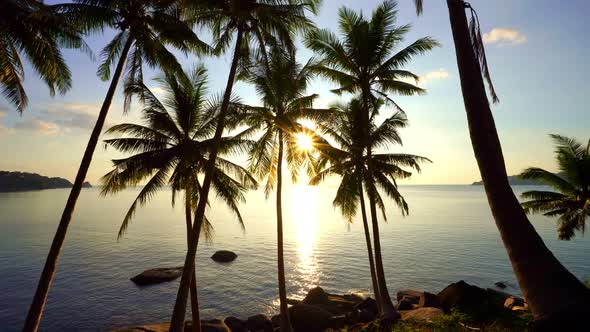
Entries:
{"x":224,"y":256}
{"x":500,"y":285}
{"x":156,"y":276}
{"x":316,"y":296}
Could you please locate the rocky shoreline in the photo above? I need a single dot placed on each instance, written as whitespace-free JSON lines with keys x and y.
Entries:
{"x":321,"y":311}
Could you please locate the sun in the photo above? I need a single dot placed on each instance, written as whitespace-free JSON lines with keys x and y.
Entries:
{"x":304,"y":142}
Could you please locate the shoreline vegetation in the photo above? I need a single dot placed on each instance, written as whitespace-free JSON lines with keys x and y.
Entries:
{"x":458,"y":307}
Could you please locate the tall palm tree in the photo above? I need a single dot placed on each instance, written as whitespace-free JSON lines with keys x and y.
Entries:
{"x":571,"y":200}
{"x":36,"y":31}
{"x":254,"y":23}
{"x":144,"y":27}
{"x":349,"y":161}
{"x":362,"y":62}
{"x":172,"y":149}
{"x":558,"y":300}
{"x":281,"y":83}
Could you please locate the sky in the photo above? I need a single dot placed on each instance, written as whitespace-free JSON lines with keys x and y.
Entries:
{"x":536,"y":53}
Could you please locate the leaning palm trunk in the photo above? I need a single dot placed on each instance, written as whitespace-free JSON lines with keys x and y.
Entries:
{"x":196,"y":326}
{"x":177,"y":323}
{"x":387,"y":309}
{"x":374,"y":282}
{"x":36,"y":310}
{"x":285,"y":321}
{"x":554,"y":295}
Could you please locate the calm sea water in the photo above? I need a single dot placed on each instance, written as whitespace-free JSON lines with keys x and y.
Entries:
{"x":449,"y":235}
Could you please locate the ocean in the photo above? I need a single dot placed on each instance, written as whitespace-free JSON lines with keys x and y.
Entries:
{"x":449,"y":235}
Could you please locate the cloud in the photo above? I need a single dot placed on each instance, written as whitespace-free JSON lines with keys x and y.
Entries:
{"x":38,"y":126}
{"x":61,"y":118}
{"x":504,"y":36}
{"x":440,"y":74}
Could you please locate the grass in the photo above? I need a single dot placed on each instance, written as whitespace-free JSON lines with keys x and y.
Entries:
{"x":453,"y":322}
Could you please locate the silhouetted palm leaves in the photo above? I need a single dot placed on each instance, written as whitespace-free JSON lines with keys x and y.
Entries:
{"x":571,"y":200}
{"x":36,"y":31}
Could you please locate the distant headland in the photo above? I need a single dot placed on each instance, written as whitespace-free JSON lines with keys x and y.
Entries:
{"x":22,"y":181}
{"x":514,"y":180}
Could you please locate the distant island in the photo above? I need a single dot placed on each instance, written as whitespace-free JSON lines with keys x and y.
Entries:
{"x":22,"y":181}
{"x":514,"y":180}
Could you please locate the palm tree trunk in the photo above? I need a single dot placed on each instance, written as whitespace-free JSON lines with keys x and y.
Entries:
{"x":36,"y":310}
{"x":374,"y":282}
{"x":387,"y":309}
{"x":552,"y":292}
{"x":196,"y":326}
{"x":285,"y":321}
{"x":177,"y":323}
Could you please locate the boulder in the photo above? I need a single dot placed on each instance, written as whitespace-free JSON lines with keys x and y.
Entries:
{"x":316,"y":296}
{"x":367,"y":304}
{"x":425,"y":314}
{"x":512,"y":302}
{"x":366,"y":316}
{"x":214,"y":325}
{"x":310,"y":318}
{"x":428,"y":300}
{"x":156,"y":276}
{"x":224,"y":256}
{"x":259,"y":323}
{"x":235,"y":324}
{"x":472,"y":300}
{"x":404,"y":304}
{"x":500,"y":284}
{"x":412,"y":295}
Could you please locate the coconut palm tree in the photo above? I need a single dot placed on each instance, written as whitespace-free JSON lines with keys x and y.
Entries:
{"x":571,"y":200}
{"x":254,"y":24}
{"x":172,"y":149}
{"x":362,"y":62}
{"x":143,"y":28}
{"x":36,"y":31}
{"x":558,"y":300}
{"x":281,"y":83}
{"x":349,"y":161}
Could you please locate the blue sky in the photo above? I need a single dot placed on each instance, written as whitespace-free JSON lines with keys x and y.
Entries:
{"x":536,"y":51}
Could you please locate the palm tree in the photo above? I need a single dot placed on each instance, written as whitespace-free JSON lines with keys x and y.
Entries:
{"x":363,"y":63}
{"x":571,"y":200}
{"x":281,"y":82}
{"x":36,"y":31}
{"x":143,"y":30}
{"x":558,"y":300}
{"x":255,"y":23}
{"x":349,"y":161}
{"x":172,"y":149}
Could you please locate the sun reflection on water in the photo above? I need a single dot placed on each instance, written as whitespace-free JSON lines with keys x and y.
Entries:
{"x":304,"y":214}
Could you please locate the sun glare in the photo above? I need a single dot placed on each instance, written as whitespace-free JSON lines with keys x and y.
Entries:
{"x":304,"y":142}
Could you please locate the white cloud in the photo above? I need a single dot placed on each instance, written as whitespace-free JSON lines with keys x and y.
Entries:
{"x":434,"y":75}
{"x":504,"y":36}
{"x":440,"y":74}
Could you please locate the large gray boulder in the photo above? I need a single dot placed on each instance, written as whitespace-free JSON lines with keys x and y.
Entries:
{"x":156,"y":276}
{"x":425,"y":314}
{"x":224,"y":256}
